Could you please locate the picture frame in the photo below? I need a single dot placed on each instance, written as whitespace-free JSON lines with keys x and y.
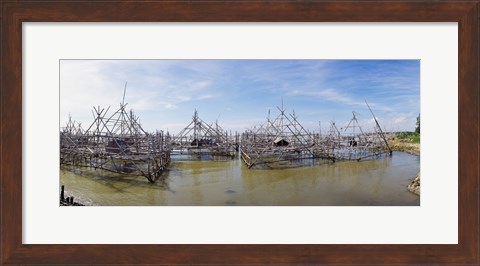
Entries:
{"x":14,"y":13}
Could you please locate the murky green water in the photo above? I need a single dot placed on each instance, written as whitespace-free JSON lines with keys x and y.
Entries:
{"x":219,"y":183}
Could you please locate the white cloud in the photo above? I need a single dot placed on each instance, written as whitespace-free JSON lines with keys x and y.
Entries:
{"x":329,"y":94}
{"x":87,"y":83}
{"x":163,"y":91}
{"x":170,"y":106}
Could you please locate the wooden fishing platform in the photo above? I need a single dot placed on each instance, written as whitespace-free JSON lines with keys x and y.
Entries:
{"x":199,"y":138}
{"x":116,"y":143}
{"x":285,"y":139}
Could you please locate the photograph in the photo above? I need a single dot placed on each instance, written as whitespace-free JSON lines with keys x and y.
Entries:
{"x":290,"y":132}
{"x":231,"y":132}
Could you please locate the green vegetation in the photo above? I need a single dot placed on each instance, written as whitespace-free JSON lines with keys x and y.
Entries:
{"x":413,"y":137}
{"x":417,"y":128}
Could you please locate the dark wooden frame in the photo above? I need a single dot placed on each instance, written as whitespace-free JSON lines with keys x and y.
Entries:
{"x":13,"y":13}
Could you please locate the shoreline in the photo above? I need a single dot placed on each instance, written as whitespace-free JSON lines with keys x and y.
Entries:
{"x":69,"y":200}
{"x":411,"y":148}
{"x":414,"y":185}
{"x":405,"y":146}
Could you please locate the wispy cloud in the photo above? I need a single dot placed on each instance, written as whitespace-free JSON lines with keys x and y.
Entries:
{"x":328,"y":95}
{"x":164,"y":93}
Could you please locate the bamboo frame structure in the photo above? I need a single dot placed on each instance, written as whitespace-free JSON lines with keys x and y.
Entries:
{"x":276,"y":141}
{"x":284,"y":139}
{"x":199,"y":138}
{"x":119,"y":144}
{"x":115,"y":143}
{"x":352,"y":144}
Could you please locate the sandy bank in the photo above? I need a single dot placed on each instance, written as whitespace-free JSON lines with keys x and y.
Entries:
{"x":405,"y":146}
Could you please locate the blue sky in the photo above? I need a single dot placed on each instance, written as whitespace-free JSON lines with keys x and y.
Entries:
{"x":239,"y":93}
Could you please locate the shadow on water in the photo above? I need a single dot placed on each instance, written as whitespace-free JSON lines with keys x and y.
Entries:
{"x":117,"y":182}
{"x":202,"y":157}
{"x":228,"y":182}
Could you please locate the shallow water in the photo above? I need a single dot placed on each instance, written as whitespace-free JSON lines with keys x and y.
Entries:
{"x":218,"y":183}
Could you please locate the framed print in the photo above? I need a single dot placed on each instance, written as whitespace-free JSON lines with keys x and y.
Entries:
{"x":214,"y":155}
{"x":211,"y":166}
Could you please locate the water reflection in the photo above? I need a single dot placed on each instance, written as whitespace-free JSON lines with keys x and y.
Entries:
{"x":229,"y":182}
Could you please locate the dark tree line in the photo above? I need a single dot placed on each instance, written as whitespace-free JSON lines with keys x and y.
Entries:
{"x":417,"y":129}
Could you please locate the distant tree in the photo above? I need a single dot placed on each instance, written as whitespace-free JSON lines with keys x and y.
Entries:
{"x":417,"y":129}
